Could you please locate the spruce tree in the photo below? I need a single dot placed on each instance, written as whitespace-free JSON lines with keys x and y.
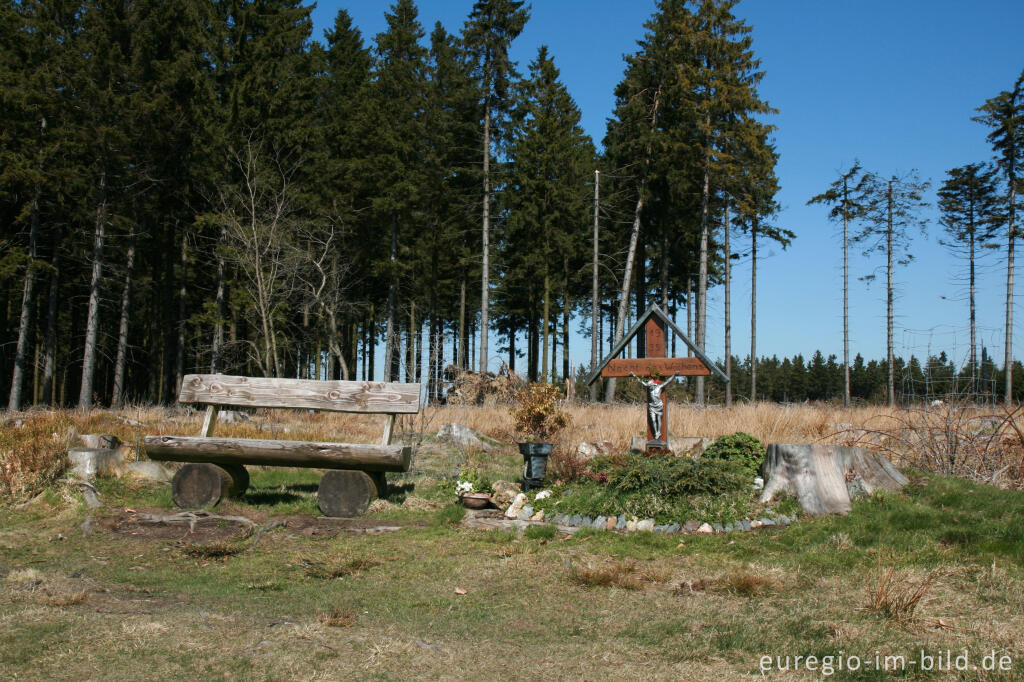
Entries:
{"x":488,"y":34}
{"x":1004,"y":114}
{"x":968,"y":203}
{"x":846,"y":196}
{"x":892,"y":214}
{"x":399,"y":91}
{"x":546,"y":199}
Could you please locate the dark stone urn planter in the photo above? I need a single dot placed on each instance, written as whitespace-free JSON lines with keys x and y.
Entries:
{"x":535,"y":463}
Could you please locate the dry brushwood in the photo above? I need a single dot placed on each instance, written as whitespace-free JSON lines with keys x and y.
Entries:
{"x":475,"y":388}
{"x":955,"y":437}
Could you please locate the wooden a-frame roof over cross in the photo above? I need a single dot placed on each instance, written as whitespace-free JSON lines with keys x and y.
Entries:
{"x":654,"y":323}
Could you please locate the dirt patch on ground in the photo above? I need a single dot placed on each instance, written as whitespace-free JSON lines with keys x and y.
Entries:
{"x":132,"y":525}
{"x":137,"y":525}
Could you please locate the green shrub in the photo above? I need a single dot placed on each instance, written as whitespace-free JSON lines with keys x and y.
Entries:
{"x":670,"y":477}
{"x":741,"y":448}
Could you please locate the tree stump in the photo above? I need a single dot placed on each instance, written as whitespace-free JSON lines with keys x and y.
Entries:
{"x":204,"y":485}
{"x":823,"y":477}
{"x":345,"y":493}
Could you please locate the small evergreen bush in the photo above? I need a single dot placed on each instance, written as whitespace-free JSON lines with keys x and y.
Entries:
{"x":741,"y":448}
{"x":679,"y":476}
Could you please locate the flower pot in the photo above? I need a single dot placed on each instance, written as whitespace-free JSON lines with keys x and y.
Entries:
{"x":475,"y":500}
{"x":535,"y":464}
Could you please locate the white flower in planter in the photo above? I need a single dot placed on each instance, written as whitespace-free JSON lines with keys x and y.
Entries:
{"x":464,"y":487}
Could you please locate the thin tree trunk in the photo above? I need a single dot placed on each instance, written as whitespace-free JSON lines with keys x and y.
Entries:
{"x":565,"y":319}
{"x":702,"y":278}
{"x":371,"y":374}
{"x":179,"y":364}
{"x":753,"y":311}
{"x":413,"y":369}
{"x":594,"y":314}
{"x":485,"y":285}
{"x":889,"y":301}
{"x":122,"y":333}
{"x":463,"y":357}
{"x":609,"y":393}
{"x":92,"y":324}
{"x":218,"y":329}
{"x":546,"y":328}
{"x":689,"y":324}
{"x":50,"y":356}
{"x":512,"y":350}
{"x":846,"y":295}
{"x":1010,"y":244}
{"x":27,"y":299}
{"x":974,"y":353}
{"x":664,"y":270}
{"x":390,"y":337}
{"x":640,"y":296}
{"x":728,"y":311}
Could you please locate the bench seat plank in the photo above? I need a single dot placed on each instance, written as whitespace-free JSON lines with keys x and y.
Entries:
{"x":288,"y":453}
{"x":338,"y":396}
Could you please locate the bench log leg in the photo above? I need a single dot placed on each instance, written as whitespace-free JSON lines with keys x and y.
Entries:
{"x":345,"y":493}
{"x":380,"y":480}
{"x":204,"y":485}
{"x":239,"y":478}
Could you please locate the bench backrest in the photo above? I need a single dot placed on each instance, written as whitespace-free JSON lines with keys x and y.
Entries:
{"x":375,"y":397}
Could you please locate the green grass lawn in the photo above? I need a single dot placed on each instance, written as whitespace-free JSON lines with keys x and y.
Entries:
{"x":436,"y":600}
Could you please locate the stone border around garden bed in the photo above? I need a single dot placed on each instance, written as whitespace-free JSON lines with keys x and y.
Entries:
{"x":570,"y":523}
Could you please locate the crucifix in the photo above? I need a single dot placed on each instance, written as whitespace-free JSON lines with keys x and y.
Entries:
{"x":652,"y":367}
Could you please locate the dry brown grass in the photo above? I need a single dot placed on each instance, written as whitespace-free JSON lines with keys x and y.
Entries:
{"x":33,"y":453}
{"x":329,"y":567}
{"x":627,"y":574}
{"x":338,"y":618}
{"x":894,"y":594}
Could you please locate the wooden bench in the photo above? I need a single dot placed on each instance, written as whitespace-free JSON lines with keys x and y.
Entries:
{"x":216,"y":466}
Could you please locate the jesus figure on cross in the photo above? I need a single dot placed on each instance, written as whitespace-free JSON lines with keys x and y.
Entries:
{"x":655,"y":405}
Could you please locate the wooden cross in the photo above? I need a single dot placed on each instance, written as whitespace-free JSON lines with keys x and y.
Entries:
{"x":655,"y":366}
{"x":651,"y":331}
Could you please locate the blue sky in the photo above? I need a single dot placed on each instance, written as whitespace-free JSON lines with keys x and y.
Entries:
{"x":894,"y":84}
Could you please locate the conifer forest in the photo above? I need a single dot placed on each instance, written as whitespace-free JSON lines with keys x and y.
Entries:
{"x":206,"y":186}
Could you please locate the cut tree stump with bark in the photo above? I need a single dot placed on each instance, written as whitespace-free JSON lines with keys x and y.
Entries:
{"x":823,"y":477}
{"x":345,"y":493}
